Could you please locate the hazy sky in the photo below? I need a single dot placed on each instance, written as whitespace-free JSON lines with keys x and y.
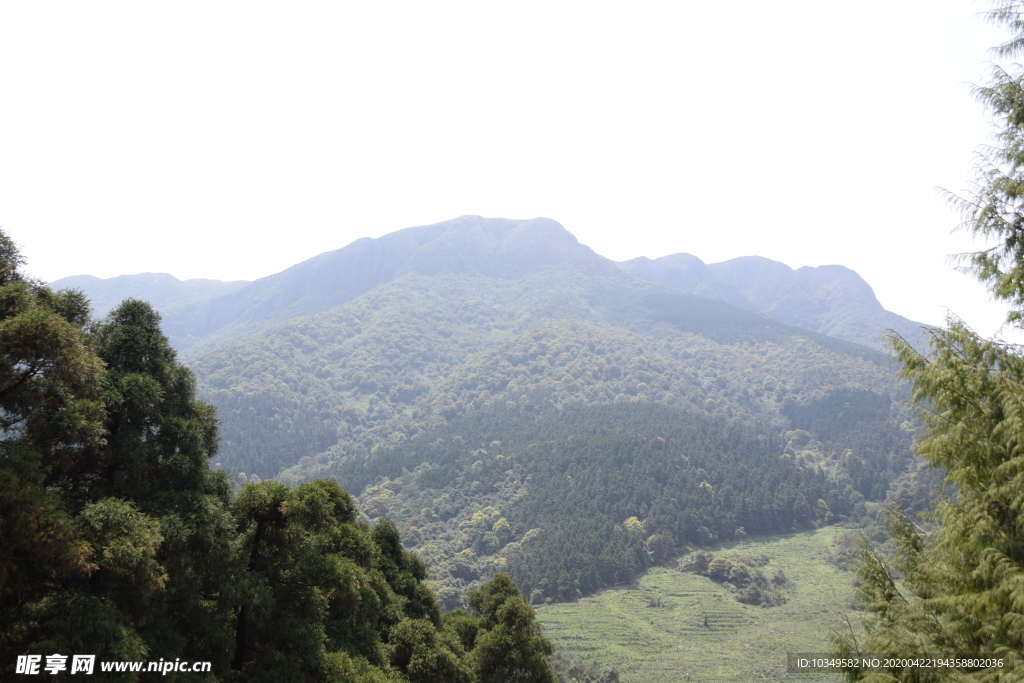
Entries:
{"x":230,"y":140}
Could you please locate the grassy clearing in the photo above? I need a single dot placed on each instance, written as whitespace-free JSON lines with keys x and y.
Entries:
{"x":621,"y":628}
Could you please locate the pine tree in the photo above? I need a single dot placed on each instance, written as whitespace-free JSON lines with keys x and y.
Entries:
{"x":961,"y":586}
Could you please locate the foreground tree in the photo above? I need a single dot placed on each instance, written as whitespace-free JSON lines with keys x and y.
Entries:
{"x":509,"y":646}
{"x":961,"y":587}
{"x":50,"y":411}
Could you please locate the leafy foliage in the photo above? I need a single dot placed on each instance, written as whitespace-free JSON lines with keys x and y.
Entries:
{"x":744,"y":575}
{"x":510,"y":647}
{"x":959,"y":588}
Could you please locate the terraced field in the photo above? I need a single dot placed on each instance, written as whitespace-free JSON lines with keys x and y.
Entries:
{"x":700,"y":628}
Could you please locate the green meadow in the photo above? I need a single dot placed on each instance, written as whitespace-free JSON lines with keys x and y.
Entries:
{"x":672,"y":622}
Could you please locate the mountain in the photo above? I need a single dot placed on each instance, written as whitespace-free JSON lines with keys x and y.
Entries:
{"x":165,"y":292}
{"x":422,"y":350}
{"x":464,"y":403}
{"x":512,"y":399}
{"x":832,"y":300}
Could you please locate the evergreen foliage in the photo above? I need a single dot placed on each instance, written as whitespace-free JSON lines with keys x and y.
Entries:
{"x":510,"y":647}
{"x":993,"y":210}
{"x":959,"y":585}
{"x":958,"y":588}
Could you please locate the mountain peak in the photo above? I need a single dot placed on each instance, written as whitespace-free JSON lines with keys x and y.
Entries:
{"x":499,"y":247}
{"x":831,"y":299}
{"x":491,"y":247}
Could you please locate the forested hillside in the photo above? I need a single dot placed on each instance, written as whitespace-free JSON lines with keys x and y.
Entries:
{"x":518,"y":403}
{"x":496,"y":420}
{"x":421,"y":351}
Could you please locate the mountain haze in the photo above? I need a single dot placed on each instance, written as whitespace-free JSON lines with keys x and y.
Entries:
{"x":491,"y":247}
{"x":832,"y":300}
{"x":165,"y":292}
{"x":202,"y":315}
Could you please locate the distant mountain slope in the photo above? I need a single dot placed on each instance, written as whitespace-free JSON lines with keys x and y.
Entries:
{"x":422,"y":350}
{"x":544,"y":496}
{"x":491,"y":247}
{"x":832,"y":300}
{"x":161,"y":290}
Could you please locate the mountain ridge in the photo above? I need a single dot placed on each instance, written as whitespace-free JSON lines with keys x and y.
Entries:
{"x":829,"y":299}
{"x":204,"y":315}
{"x":162,"y":290}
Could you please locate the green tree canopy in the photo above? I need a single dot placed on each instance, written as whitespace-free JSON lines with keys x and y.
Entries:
{"x":510,"y":647}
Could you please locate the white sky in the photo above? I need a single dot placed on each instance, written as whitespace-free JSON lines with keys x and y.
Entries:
{"x":231,"y":140}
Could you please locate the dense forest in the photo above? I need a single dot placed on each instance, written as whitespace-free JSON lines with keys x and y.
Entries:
{"x":587,"y":497}
{"x":120,"y":541}
{"x":460,"y":361}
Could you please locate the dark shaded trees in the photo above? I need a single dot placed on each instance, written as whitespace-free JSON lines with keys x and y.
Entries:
{"x":548,"y":497}
{"x":50,"y":412}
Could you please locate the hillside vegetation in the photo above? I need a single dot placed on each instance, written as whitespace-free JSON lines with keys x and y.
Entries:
{"x":517,"y":423}
{"x":516,"y":402}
